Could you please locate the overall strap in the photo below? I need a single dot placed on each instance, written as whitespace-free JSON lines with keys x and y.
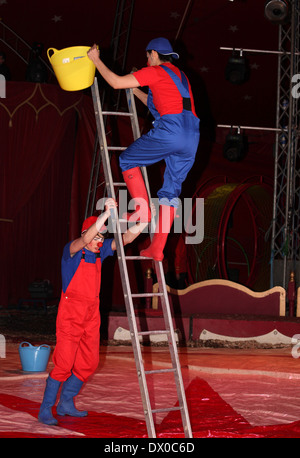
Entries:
{"x":83,"y":255}
{"x":151,"y":105}
{"x":182,"y":86}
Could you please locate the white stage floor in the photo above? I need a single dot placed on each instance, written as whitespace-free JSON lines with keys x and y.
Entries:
{"x":230,"y":393}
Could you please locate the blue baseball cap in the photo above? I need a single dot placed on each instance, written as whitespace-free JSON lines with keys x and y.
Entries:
{"x":162,"y":46}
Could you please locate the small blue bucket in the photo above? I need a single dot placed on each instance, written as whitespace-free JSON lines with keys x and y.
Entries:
{"x":34,"y":359}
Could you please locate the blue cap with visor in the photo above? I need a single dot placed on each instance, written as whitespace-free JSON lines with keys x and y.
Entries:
{"x":162,"y":46}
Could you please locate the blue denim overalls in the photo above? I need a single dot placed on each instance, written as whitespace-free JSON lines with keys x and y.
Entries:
{"x":174,"y":138}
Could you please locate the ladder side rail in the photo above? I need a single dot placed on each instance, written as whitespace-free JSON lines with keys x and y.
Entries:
{"x":95,"y":168}
{"x":162,"y":288}
{"x":123,"y":269}
{"x":136,"y":344}
{"x":173,"y":349}
{"x":90,"y":203}
{"x":136,"y":134}
{"x":102,"y":140}
{"x":132,"y":109}
{"x":136,"y":130}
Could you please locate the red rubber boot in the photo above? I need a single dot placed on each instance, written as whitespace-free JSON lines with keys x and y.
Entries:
{"x":137,"y":189}
{"x":163,"y":226}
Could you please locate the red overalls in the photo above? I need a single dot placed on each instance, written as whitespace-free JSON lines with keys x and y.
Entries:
{"x":78,"y":325}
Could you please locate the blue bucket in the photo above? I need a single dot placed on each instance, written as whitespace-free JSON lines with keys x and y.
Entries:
{"x":34,"y":359}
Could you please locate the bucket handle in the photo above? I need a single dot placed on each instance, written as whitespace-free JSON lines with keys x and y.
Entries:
{"x":51,"y":49}
{"x":21,"y":344}
{"x":36,"y":348}
{"x":43,"y":345}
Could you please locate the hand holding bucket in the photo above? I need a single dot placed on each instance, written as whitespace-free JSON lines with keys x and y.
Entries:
{"x":72,"y":67}
{"x":93,"y":53}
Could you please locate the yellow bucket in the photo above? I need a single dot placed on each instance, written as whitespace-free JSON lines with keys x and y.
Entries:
{"x":73,"y":69}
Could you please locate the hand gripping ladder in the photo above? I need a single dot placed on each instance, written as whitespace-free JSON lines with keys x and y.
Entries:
{"x":128,"y":296}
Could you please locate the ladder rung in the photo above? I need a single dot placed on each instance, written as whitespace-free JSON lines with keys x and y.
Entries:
{"x":146,"y":294}
{"x":120,"y":184}
{"x":170,"y":409}
{"x":132,"y":258}
{"x":147,"y":333}
{"x":159,"y":371}
{"x":117,"y":113}
{"x":116,"y":148}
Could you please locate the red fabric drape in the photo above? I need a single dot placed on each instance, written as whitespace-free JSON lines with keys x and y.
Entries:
{"x":38,"y":135}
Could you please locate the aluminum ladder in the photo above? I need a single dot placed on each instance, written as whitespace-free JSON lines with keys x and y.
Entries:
{"x":128,"y":295}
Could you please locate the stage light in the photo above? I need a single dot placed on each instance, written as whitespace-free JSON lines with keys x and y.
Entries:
{"x":277,"y":11}
{"x":235,"y":147}
{"x":237,"y":69}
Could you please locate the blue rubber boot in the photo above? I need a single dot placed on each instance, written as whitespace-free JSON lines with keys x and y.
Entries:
{"x":45,"y":414}
{"x":70,"y":389}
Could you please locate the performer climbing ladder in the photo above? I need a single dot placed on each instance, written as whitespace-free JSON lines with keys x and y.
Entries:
{"x":174,"y":137}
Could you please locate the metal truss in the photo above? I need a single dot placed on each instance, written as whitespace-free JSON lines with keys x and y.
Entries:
{"x":286,"y":204}
{"x":19,"y":46}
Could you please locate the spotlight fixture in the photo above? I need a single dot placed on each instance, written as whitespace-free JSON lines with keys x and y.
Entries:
{"x":237,"y":69}
{"x":277,"y":11}
{"x":235,"y":147}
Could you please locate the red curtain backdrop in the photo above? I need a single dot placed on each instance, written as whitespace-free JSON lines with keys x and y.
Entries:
{"x":38,"y":143}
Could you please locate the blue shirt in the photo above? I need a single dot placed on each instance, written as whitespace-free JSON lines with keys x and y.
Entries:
{"x":69,"y":264}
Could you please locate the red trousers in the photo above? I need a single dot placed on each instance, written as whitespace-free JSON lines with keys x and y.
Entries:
{"x":78,"y":325}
